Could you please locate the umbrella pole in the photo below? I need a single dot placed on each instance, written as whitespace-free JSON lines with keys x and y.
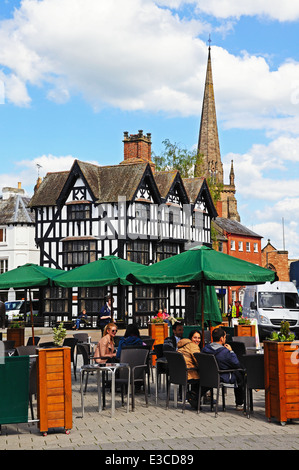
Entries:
{"x":111,"y":293}
{"x":31,"y":315}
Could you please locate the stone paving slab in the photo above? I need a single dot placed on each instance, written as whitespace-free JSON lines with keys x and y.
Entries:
{"x":154,"y":428}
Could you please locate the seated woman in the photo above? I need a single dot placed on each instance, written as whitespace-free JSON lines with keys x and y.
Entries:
{"x":105,"y":349}
{"x":81,"y":317}
{"x":187,"y":347}
{"x":131,"y":338}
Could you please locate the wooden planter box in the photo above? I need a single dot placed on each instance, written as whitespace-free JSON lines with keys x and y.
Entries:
{"x":158,"y":331}
{"x":54,"y":386}
{"x":17,"y":335}
{"x":281,"y":380}
{"x":244,"y":330}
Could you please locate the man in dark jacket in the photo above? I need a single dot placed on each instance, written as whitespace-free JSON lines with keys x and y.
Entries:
{"x":171,"y":343}
{"x":227,"y":359}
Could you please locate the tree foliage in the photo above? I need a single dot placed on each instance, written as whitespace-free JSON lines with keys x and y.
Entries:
{"x":176,"y":158}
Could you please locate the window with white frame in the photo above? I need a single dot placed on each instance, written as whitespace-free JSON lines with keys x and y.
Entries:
{"x":232,"y":245}
{"x":248,"y":246}
{"x":3,"y":265}
{"x":3,"y":235}
{"x":255,"y":247}
{"x":240,"y":246}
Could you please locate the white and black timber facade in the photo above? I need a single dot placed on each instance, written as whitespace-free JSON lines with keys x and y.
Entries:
{"x":128,"y":210}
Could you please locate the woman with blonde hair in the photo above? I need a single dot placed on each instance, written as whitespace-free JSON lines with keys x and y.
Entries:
{"x":105,"y":349}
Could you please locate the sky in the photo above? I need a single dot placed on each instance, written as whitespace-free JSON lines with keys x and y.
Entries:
{"x":76,"y":74}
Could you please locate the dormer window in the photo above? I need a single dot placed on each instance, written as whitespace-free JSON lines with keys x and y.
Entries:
{"x":79,"y":211}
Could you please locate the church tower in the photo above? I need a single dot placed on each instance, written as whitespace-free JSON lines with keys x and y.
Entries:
{"x":209,"y":164}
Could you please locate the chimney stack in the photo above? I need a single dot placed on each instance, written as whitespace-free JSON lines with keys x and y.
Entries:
{"x":137,"y":146}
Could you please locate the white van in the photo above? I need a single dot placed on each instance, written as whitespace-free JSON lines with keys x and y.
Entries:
{"x":15,"y":309}
{"x":271,"y":304}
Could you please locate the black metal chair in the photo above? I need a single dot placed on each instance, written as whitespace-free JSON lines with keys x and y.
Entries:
{"x":49,"y":344}
{"x":81,"y":337}
{"x":254,"y":377}
{"x":249,"y":341}
{"x":9,"y":347}
{"x":239,"y":349}
{"x":160,"y":366}
{"x":30,"y":341}
{"x":72,"y":343}
{"x":26,"y":350}
{"x":137,"y":360}
{"x":87,"y":366}
{"x":177,"y":374}
{"x":210,"y":375}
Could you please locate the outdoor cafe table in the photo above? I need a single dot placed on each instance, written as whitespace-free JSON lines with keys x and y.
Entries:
{"x":110,"y":367}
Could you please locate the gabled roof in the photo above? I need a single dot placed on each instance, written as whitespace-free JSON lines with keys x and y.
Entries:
{"x":167,"y":180}
{"x":105,"y":183}
{"x":232,"y":226}
{"x":197,"y":188}
{"x":14,"y":211}
{"x":49,"y":189}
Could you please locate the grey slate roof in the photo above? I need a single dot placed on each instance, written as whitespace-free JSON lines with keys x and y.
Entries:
{"x":232,"y":226}
{"x":14,"y":210}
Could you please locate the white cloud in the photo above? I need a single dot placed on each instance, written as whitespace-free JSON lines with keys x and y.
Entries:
{"x":27,"y":171}
{"x":143,"y":58}
{"x":267,"y":190}
{"x":287,"y":10}
{"x":282,"y":234}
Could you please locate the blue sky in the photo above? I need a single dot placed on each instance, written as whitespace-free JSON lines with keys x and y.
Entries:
{"x":74,"y":75}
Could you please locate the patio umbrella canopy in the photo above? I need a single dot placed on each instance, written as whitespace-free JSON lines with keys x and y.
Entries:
{"x":203,"y":266}
{"x":106,"y":271}
{"x":28,"y":276}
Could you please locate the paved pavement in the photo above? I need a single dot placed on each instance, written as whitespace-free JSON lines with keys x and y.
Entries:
{"x":155,"y":429}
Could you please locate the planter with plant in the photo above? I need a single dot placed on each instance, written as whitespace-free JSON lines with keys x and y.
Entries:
{"x":244,"y":327}
{"x":281,"y":375}
{"x":55,"y":384}
{"x":59,"y":333}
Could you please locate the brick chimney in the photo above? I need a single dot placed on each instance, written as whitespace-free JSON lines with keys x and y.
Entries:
{"x":137,"y":146}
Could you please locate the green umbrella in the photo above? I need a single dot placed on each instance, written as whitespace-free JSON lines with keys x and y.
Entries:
{"x":106,"y":271}
{"x":203,"y":266}
{"x":28,"y":276}
{"x":212,"y":313}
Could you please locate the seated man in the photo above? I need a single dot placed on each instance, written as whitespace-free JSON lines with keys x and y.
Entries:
{"x":227,"y":359}
{"x":171,"y":343}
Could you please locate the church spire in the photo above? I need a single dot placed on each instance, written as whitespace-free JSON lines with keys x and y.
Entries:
{"x":209,"y":162}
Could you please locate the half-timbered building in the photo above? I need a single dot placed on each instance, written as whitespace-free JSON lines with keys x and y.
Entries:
{"x":128,"y":210}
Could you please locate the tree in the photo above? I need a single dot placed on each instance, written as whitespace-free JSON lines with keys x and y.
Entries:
{"x":176,"y":158}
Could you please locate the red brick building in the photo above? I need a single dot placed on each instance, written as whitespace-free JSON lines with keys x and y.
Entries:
{"x":237,"y":240}
{"x":277,"y":260}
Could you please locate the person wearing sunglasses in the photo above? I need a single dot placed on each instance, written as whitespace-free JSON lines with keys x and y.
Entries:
{"x":105,"y":350}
